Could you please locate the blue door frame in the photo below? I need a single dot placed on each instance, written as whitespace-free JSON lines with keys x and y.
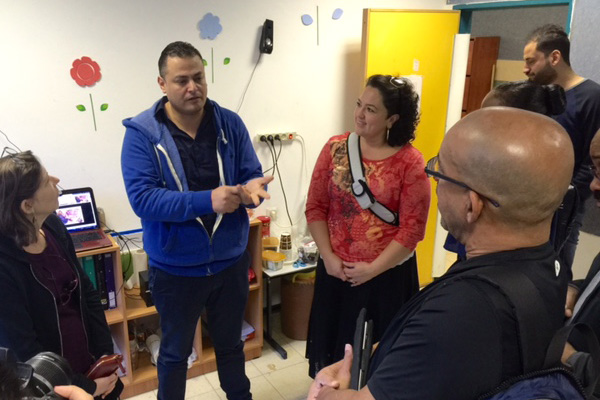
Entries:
{"x":466,"y":10}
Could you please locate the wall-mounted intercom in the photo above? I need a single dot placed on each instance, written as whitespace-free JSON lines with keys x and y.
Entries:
{"x":266,"y":38}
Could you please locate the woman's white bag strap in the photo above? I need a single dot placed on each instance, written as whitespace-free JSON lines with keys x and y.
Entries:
{"x":360,"y":189}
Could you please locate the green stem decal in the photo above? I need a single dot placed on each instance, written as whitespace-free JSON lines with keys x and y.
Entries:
{"x":317,"y":25}
{"x":93,"y":113}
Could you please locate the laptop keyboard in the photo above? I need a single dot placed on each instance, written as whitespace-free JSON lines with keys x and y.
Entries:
{"x":86,"y":237}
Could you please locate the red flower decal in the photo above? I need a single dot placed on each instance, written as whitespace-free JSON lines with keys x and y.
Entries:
{"x":86,"y":72}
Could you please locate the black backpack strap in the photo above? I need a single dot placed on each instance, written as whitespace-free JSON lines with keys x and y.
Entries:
{"x":529,"y":310}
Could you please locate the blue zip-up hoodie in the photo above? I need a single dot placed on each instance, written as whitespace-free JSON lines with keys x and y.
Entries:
{"x":174,"y":236}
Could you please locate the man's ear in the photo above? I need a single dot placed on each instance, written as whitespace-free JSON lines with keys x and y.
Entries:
{"x":555,"y":57}
{"x":161,"y":83}
{"x":475,"y":207}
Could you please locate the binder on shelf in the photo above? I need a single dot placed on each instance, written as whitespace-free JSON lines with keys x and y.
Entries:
{"x":101,"y":279}
{"x":109,"y":276}
{"x":247,"y":331}
{"x":89,"y":269}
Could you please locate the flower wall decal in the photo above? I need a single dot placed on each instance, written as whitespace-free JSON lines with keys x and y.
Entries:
{"x":86,"y":72}
{"x":226,"y":61}
{"x":337,"y":14}
{"x":209,"y":26}
{"x":307,"y":19}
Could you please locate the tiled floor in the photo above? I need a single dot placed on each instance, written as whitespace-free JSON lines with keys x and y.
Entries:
{"x":271,"y":377}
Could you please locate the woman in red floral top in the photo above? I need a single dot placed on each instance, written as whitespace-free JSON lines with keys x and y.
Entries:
{"x":366,"y":262}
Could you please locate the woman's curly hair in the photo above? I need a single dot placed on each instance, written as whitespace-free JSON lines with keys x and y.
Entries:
{"x":399,"y":97}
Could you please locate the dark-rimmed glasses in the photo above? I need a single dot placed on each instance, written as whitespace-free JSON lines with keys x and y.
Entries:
{"x":9,"y":152}
{"x":433,"y":170}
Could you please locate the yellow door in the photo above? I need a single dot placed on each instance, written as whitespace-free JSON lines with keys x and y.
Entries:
{"x":416,"y":42}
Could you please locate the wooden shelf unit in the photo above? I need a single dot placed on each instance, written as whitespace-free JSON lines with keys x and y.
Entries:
{"x":130,"y":308}
{"x":483,"y":54}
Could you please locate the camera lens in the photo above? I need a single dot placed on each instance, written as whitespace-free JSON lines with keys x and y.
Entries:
{"x":49,"y":370}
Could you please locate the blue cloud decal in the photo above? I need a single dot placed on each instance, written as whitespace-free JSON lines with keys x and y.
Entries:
{"x":209,"y":27}
{"x":307,"y":19}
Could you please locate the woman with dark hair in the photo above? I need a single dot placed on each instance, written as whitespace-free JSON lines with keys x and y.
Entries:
{"x":527,"y":95}
{"x":367,"y":261}
{"x":48,"y":302}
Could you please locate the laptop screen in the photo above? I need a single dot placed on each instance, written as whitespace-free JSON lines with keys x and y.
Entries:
{"x":77,"y":210}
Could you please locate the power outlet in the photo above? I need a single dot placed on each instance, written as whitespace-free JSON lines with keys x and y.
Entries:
{"x":261,"y":138}
{"x":284,"y":137}
{"x":287,"y":136}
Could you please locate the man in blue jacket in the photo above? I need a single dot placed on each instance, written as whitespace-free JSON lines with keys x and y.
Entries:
{"x":189,"y":169}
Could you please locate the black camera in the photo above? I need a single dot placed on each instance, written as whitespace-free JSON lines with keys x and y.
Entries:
{"x":39,"y":374}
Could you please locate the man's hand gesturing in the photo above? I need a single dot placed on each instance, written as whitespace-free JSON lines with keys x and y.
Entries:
{"x":225,"y":199}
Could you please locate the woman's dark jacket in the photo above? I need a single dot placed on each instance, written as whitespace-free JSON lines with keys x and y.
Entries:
{"x":28,"y":311}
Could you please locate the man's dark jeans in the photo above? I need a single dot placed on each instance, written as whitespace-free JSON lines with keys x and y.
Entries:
{"x":179,"y":301}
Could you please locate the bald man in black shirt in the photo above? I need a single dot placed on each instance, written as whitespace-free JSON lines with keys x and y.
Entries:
{"x":501,"y":174}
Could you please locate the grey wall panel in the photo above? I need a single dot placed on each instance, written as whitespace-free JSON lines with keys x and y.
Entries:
{"x":514,"y":24}
{"x":585,"y":39}
{"x":477,"y":1}
{"x":585,"y":60}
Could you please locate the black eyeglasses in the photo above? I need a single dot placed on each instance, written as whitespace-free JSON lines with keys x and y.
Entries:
{"x":433,"y":170}
{"x":8,"y":152}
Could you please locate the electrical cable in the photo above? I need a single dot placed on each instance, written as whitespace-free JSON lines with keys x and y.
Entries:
{"x":275,"y":163}
{"x":248,"y":85}
{"x":9,"y":141}
{"x":294,"y":224}
{"x":287,"y":210}
{"x":303,"y":145}
{"x":305,"y":177}
{"x":276,"y":158}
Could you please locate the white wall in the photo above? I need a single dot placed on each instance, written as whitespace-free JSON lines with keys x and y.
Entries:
{"x":301,"y":87}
